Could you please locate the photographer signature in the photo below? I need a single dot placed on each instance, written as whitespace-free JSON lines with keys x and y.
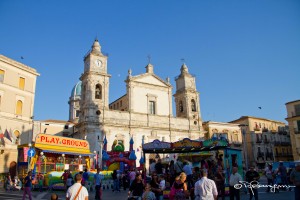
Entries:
{"x":255,"y":185}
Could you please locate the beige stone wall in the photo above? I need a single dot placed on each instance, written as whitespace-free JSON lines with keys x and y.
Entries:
{"x":8,"y":154}
{"x":53,"y":127}
{"x":292,"y":118}
{"x":264,"y":134}
{"x":10,"y":93}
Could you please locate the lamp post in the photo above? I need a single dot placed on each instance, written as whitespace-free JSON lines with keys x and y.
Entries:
{"x":243,"y":130}
{"x":29,"y":158}
{"x":95,"y":160}
{"x":79,"y":161}
{"x":63,"y":155}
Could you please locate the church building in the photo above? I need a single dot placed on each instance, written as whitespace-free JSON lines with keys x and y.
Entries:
{"x":144,"y":113}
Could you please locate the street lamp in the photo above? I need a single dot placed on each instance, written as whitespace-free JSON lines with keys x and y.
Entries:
{"x":29,"y":158}
{"x":243,"y":130}
{"x":63,"y":155}
{"x":95,"y":160}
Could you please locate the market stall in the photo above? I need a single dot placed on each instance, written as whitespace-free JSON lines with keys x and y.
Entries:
{"x":54,"y":153}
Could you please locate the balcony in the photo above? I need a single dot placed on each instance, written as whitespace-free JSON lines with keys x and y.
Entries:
{"x":260,"y":154}
{"x":256,"y":129}
{"x":278,"y":154}
{"x":277,"y":143}
{"x":269,"y":156}
{"x":265,"y":130}
{"x":237,"y":143}
{"x":285,"y":143}
{"x":297,"y":131}
{"x":258,"y":140}
{"x":282,"y":132}
{"x":266,"y":141}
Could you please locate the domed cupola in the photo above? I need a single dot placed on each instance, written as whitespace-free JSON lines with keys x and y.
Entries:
{"x":76,"y":91}
{"x":74,"y":106}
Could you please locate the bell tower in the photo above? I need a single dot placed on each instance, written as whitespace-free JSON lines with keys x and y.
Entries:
{"x":94,"y":97}
{"x":95,"y":82}
{"x":186,"y":96}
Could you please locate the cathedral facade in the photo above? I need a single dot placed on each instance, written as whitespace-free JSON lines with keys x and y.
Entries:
{"x":144,"y":113}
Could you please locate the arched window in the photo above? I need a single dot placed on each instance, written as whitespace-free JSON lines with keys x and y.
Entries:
{"x":98,"y":92}
{"x":19,"y":107}
{"x":1,"y":75}
{"x":17,"y":134}
{"x":180,"y":106}
{"x":193,"y":105}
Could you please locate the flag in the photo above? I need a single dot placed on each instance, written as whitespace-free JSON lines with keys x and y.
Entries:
{"x":6,"y":134}
{"x":2,"y":138}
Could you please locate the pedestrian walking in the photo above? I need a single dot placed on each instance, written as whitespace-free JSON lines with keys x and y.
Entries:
{"x":77,"y":191}
{"x":136,"y":188}
{"x":116,"y":181}
{"x":152,"y":166}
{"x":148,"y":194}
{"x":282,"y":171}
{"x":98,"y":183}
{"x":54,"y":196}
{"x":269,"y":174}
{"x":234,"y":179}
{"x":205,"y":188}
{"x":178,"y":167}
{"x":295,"y":179}
{"x":159,"y":167}
{"x":252,"y":176}
{"x":179,"y":189}
{"x":187,"y":169}
{"x":27,"y":186}
{"x":220,"y":182}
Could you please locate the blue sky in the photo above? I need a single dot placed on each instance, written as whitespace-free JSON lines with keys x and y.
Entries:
{"x":244,"y":54}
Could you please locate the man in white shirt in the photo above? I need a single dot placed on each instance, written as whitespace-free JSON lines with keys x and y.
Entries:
{"x":234,"y":179}
{"x":77,"y":191}
{"x":205,"y":189}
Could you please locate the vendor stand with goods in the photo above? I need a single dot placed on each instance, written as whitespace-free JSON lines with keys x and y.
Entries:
{"x":195,"y":153}
{"x":49,"y":156}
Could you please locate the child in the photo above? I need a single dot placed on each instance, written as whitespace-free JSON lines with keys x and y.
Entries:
{"x":148,"y":194}
{"x":162,"y":186}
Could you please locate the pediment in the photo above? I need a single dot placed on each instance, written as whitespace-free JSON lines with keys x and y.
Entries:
{"x":150,"y":79}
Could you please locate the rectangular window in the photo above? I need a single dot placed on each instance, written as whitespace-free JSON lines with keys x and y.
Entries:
{"x":235,"y":137}
{"x":297,"y":110}
{"x":21,"y":83}
{"x":77,"y":113}
{"x":1,"y":76}
{"x":121,"y":103}
{"x":152,"y":107}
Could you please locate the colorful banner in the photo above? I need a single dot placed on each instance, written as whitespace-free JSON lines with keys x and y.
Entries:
{"x":61,"y":141}
{"x":187,"y":143}
{"x":25,"y":151}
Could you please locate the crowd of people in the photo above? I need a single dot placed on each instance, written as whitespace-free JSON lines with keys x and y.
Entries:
{"x":177,"y":180}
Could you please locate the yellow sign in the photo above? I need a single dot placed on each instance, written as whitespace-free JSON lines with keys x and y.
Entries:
{"x":61,"y":141}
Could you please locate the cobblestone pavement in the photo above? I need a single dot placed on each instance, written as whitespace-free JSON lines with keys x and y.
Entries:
{"x":109,"y":195}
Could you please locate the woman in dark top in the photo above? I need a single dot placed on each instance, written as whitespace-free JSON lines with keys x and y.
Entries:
{"x":27,"y":186}
{"x":155,"y":185}
{"x":179,"y":189}
{"x":137,"y":187}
